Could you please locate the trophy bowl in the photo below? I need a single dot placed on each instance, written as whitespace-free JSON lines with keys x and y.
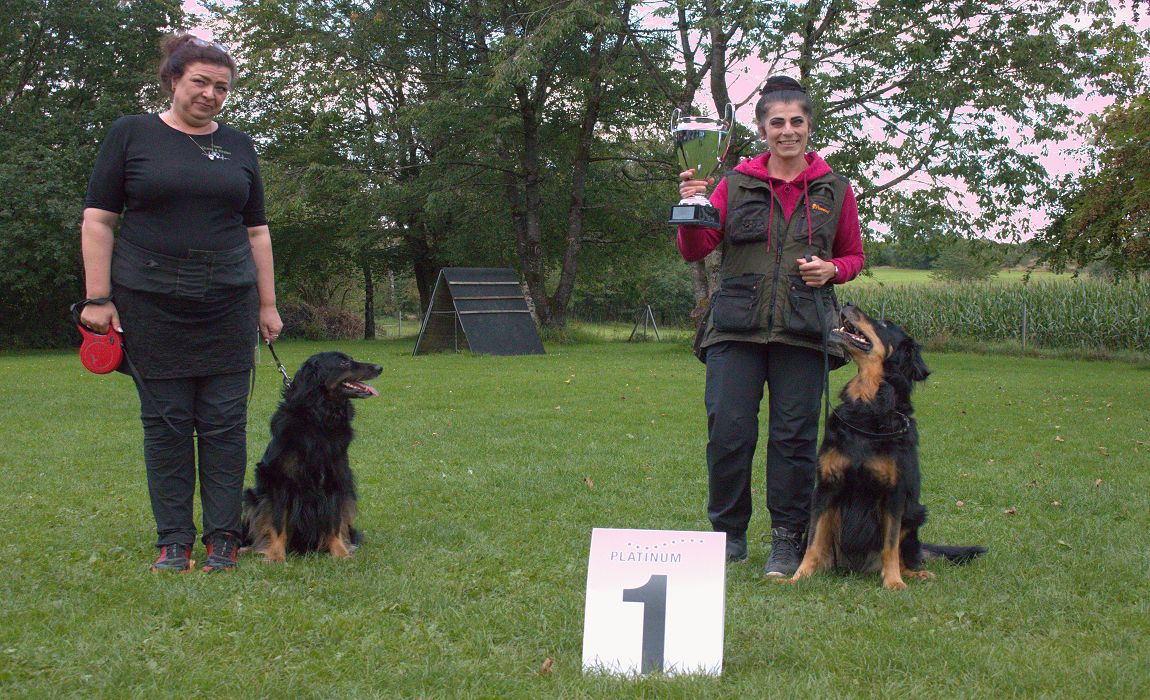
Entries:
{"x":701,"y":144}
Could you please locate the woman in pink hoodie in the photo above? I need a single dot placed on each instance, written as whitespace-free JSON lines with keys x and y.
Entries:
{"x":789,"y":231}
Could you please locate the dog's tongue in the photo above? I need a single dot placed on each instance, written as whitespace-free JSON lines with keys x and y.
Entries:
{"x":364,"y":387}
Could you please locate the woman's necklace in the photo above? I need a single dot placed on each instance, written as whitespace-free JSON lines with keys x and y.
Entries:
{"x":211,"y":152}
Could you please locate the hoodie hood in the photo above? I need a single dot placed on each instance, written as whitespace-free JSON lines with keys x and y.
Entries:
{"x":756,"y":167}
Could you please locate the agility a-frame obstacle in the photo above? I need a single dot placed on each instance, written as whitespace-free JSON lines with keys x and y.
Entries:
{"x":481,"y":309}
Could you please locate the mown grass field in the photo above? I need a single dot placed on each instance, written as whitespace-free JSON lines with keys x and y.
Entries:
{"x":481,"y":479}
{"x":899,"y":275}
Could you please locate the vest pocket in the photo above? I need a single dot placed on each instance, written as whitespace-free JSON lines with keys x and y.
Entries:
{"x":749,"y":223}
{"x":736,"y":304}
{"x":808,"y":310}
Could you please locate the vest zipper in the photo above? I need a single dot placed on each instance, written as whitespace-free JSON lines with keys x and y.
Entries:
{"x":778,"y":265}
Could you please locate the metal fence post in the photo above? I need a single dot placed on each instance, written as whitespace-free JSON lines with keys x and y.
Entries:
{"x":1024,"y":324}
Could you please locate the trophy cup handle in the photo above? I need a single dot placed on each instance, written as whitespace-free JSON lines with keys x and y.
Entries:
{"x":676,"y":117}
{"x":729,"y":119}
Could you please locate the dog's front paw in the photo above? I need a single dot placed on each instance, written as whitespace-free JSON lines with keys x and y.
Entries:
{"x":338,"y":548}
{"x":799,"y":575}
{"x":920,"y":575}
{"x":896,"y":584}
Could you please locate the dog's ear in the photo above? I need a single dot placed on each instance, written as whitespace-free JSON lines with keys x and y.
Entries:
{"x":305,"y":381}
{"x":911,"y":358}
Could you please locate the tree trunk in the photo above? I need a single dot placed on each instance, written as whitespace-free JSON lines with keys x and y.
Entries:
{"x":526,"y":202}
{"x":425,"y":271}
{"x":581,"y":165}
{"x":368,"y":303}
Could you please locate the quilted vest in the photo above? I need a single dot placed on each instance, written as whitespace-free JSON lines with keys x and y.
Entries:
{"x":761,"y":297}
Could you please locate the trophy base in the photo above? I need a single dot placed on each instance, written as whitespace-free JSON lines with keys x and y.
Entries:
{"x":685,"y":214}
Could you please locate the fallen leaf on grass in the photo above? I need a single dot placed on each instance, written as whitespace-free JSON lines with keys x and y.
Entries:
{"x":1063,"y":543}
{"x":960,"y":503}
{"x":1103,"y":451}
{"x":565,"y":381}
{"x":1011,"y":511}
{"x":1059,"y":438}
{"x":1097,"y":483}
{"x":587,"y":481}
{"x":547,"y":666}
{"x":1056,"y":504}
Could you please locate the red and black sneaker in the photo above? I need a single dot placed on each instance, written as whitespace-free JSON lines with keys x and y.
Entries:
{"x":174,"y":557}
{"x":223,"y":548}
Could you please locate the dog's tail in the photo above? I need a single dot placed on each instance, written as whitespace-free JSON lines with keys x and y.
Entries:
{"x":953,"y":554}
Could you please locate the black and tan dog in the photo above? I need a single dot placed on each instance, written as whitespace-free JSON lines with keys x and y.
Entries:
{"x":866,"y":513}
{"x":304,"y":497}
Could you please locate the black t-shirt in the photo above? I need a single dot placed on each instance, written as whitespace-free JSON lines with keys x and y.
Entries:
{"x":172,"y":195}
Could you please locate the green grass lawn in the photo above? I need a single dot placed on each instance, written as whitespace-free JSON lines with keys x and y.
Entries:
{"x":480,"y":481}
{"x":899,"y":275}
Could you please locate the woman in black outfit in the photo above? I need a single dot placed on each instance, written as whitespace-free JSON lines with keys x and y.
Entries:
{"x":187,"y":279}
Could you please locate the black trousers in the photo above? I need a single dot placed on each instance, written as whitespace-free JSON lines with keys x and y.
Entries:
{"x":214,"y":409}
{"x":736,"y":374}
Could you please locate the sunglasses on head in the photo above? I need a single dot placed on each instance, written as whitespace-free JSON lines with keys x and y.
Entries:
{"x":208,"y":44}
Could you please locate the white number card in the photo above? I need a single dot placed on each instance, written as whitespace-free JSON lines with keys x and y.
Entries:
{"x":655,"y":602}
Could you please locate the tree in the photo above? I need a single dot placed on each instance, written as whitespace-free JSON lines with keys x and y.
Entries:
{"x":557,"y":88}
{"x":70,"y":68}
{"x":966,"y":261}
{"x":486,"y":128}
{"x":1105,"y":215}
{"x":707,"y":38}
{"x":926,"y":105}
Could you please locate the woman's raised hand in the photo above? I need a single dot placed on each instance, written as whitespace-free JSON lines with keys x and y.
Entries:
{"x":688,"y":187}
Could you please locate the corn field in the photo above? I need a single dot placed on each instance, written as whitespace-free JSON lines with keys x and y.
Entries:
{"x":1087,"y":314}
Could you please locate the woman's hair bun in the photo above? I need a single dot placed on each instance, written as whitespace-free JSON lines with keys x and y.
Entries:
{"x":782,"y":83}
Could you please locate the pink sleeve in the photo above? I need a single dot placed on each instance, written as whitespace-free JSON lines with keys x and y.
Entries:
{"x":695,"y":242}
{"x":848,"y":248}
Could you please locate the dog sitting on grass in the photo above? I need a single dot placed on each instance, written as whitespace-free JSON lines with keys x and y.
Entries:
{"x":304,"y":497}
{"x":866,"y":513}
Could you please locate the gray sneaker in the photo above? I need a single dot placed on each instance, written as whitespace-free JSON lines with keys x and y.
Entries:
{"x":786,"y":553}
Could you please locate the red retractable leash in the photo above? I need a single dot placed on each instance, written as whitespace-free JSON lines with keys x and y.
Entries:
{"x":100,"y":353}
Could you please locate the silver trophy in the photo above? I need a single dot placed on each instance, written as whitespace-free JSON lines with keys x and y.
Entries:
{"x":701,"y":144}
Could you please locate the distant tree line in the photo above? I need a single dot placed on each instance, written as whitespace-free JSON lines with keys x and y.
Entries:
{"x":398,"y":138}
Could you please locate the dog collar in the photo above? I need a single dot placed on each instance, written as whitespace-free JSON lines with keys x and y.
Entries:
{"x":901,"y":431}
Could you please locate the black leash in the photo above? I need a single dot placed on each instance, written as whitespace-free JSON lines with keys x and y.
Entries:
{"x":279,"y":365}
{"x":823,"y":298}
{"x":821,"y":295}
